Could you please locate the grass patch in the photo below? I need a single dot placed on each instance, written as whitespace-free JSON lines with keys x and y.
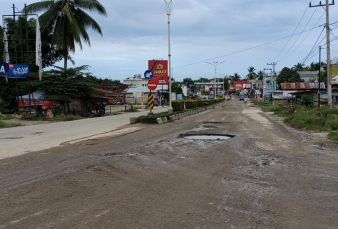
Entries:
{"x":305,"y":118}
{"x":333,"y":136}
{"x":6,"y":117}
{"x":57,"y":118}
{"x":8,"y":125}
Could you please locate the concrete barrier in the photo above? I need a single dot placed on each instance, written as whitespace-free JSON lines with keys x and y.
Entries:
{"x":159,"y":120}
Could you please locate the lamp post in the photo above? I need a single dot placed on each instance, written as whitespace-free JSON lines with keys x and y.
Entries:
{"x":215,"y":63}
{"x":168,"y":7}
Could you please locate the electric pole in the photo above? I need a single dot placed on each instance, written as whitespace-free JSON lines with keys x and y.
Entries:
{"x":273,"y":68}
{"x":215,"y":63}
{"x":273,"y":77}
{"x":329,"y":90}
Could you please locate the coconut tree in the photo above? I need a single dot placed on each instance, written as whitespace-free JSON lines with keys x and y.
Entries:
{"x":68,"y":20}
{"x":299,"y":67}
{"x":235,"y":77}
{"x":260,"y":75}
{"x":251,"y":73}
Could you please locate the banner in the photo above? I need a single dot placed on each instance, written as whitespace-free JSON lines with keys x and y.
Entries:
{"x":4,"y":68}
{"x":160,"y":70}
{"x":14,"y":70}
{"x":38,"y":54}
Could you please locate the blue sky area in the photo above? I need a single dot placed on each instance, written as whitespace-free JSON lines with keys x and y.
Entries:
{"x":242,"y":33}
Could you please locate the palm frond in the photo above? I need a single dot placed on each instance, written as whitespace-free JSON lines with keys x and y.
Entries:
{"x":39,"y":6}
{"x":92,"y":5}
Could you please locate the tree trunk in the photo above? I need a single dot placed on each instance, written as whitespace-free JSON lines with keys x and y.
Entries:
{"x":65,"y":60}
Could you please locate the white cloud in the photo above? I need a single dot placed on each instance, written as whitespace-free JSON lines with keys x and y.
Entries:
{"x":137,"y":30}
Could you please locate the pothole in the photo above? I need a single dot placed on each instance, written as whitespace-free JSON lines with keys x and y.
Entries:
{"x":214,"y":137}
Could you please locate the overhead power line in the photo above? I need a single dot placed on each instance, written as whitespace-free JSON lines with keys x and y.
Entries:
{"x":257,"y":46}
{"x":306,"y":58}
{"x":292,"y":34}
{"x":286,"y":54}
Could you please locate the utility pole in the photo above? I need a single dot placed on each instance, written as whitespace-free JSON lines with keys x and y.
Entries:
{"x":168,"y":6}
{"x":329,"y":90}
{"x":264,"y":81}
{"x":273,"y":74}
{"x":215,"y":63}
{"x":273,"y":67}
{"x":320,"y":50}
{"x":267,"y":69}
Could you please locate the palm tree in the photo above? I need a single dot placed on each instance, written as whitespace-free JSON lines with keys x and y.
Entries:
{"x":235,"y":77}
{"x":260,"y":75}
{"x":298,"y":67}
{"x":68,"y":21}
{"x":251,"y":75}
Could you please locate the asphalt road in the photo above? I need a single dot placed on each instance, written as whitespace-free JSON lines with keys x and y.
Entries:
{"x":266,"y":176}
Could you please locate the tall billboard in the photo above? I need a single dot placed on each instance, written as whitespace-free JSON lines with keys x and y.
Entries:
{"x":160,"y":70}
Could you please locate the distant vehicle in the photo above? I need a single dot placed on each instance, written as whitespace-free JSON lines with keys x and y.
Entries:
{"x":241,"y":96}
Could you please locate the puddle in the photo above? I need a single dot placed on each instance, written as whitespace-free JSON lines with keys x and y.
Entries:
{"x":207,"y":137}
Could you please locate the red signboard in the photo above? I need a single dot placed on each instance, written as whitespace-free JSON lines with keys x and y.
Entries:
{"x":160,"y":70}
{"x":241,"y":85}
{"x":152,"y":84}
{"x":25,"y":103}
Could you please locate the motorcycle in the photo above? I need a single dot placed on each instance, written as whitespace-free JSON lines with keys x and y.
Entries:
{"x":100,"y":110}
{"x":244,"y":100}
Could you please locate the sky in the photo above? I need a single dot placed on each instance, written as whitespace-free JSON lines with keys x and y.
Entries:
{"x":235,"y":33}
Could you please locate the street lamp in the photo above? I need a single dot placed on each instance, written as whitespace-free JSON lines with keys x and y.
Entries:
{"x":168,"y":7}
{"x":215,"y":63}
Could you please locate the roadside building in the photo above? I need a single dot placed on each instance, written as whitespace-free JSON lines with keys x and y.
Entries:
{"x":308,"y":76}
{"x":201,"y":87}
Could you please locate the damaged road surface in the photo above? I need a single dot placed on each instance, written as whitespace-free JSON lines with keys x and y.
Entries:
{"x":266,"y":175}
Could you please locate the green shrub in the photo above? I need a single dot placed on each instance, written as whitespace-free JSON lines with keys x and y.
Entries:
{"x":332,"y":122}
{"x":333,"y":135}
{"x":209,"y":102}
{"x":177,"y":105}
{"x":306,"y":100}
{"x":201,"y":103}
{"x":190,"y":104}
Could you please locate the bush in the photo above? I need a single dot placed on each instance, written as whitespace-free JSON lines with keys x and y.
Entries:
{"x":177,"y":105}
{"x":190,"y":104}
{"x":306,"y":100}
{"x":201,"y":103}
{"x":332,"y":122}
{"x":333,"y":135}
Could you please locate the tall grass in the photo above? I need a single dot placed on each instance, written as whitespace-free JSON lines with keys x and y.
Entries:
{"x":8,"y":125}
{"x":306,"y":118}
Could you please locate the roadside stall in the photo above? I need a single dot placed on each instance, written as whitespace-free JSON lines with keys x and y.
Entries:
{"x":38,"y":101}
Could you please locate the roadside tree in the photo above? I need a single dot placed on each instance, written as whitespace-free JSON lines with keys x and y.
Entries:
{"x":69,"y":21}
{"x":288,"y":75}
{"x":251,"y":73}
